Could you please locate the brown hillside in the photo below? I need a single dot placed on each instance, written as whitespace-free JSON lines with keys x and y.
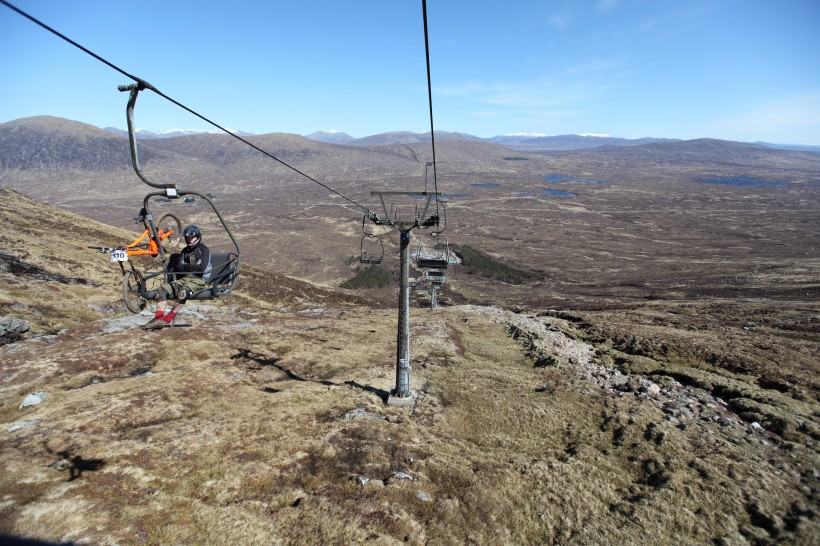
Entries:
{"x":57,"y":144}
{"x":263,"y":422}
{"x":52,"y":279}
{"x":710,"y":154}
{"x":653,"y":378}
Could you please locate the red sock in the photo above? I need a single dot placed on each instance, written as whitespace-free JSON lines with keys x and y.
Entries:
{"x":158,"y":314}
{"x":170,"y":316}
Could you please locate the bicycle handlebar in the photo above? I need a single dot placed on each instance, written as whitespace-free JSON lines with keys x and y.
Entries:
{"x":141,"y":216}
{"x":104,"y":249}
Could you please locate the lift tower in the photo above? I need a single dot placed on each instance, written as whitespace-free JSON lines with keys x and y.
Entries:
{"x":420,"y":218}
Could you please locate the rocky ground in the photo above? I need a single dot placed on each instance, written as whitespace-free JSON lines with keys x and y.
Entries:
{"x":256,"y":426}
{"x":263,"y":420}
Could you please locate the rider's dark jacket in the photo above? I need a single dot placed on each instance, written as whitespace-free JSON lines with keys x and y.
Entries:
{"x":193,"y":261}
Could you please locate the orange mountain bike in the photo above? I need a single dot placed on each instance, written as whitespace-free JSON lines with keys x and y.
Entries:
{"x":168,"y":231}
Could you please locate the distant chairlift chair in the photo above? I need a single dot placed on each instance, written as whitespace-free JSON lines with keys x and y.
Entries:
{"x":371,"y":247}
{"x":433,"y":259}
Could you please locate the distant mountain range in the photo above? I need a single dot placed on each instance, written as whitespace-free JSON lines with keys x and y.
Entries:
{"x":51,"y":143}
{"x":521,"y":142}
{"x":143,"y":134}
{"x":569,"y":142}
{"x":331,"y":137}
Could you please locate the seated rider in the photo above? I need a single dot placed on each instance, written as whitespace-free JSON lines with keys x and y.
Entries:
{"x":189,"y":271}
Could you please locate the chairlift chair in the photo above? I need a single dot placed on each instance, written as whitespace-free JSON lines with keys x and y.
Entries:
{"x":372,"y":250}
{"x":433,"y":256}
{"x":371,"y":247}
{"x":224,"y":274}
{"x":224,"y":265}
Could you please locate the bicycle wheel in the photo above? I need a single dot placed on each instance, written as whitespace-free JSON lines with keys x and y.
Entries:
{"x":131,"y":281}
{"x":169,"y":222}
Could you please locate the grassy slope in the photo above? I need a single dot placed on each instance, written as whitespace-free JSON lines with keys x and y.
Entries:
{"x":238,"y":433}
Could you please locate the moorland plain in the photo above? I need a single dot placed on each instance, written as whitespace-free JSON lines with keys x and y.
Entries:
{"x":656,"y":377}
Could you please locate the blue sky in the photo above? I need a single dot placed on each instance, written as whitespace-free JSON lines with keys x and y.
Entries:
{"x":745,"y":70}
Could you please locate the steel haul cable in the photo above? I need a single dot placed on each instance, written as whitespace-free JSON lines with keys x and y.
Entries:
{"x":430,"y":99}
{"x":142,"y":82}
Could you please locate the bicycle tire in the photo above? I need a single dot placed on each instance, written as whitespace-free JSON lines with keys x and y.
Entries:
{"x":170,"y":221}
{"x":131,"y":281}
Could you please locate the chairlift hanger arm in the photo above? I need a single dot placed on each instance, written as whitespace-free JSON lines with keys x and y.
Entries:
{"x":375,"y":218}
{"x":444,"y":216}
{"x":135,"y":88}
{"x":419,"y":220}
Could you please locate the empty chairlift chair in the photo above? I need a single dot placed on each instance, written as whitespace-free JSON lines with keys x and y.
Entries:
{"x":433,"y":253}
{"x":371,"y":250}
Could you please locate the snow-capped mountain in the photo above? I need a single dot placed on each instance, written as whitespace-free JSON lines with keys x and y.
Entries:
{"x":144,"y":134}
{"x":333,"y":137}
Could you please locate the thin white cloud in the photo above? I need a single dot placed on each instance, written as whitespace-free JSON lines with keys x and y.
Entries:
{"x":559,"y":20}
{"x":576,"y":87}
{"x":534,"y":95}
{"x":462,"y":90}
{"x":605,"y":5}
{"x":792,"y":119}
{"x":593,"y":67}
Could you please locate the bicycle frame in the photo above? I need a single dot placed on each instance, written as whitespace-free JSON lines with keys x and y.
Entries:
{"x":153,"y":248}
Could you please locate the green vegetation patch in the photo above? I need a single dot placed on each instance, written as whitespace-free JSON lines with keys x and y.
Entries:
{"x":368,"y":277}
{"x":477,"y":263}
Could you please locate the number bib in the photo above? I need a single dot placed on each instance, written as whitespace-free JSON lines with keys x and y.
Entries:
{"x":119,"y":255}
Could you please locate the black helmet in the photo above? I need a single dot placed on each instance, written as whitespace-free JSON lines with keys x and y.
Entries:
{"x":192,"y":234}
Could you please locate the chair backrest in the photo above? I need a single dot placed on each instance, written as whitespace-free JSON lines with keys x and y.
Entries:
{"x":223,"y":267}
{"x":432,"y":262}
{"x":223,"y":273}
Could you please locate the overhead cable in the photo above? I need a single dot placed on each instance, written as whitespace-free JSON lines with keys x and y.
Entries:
{"x":430,"y":99}
{"x":146,"y":85}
